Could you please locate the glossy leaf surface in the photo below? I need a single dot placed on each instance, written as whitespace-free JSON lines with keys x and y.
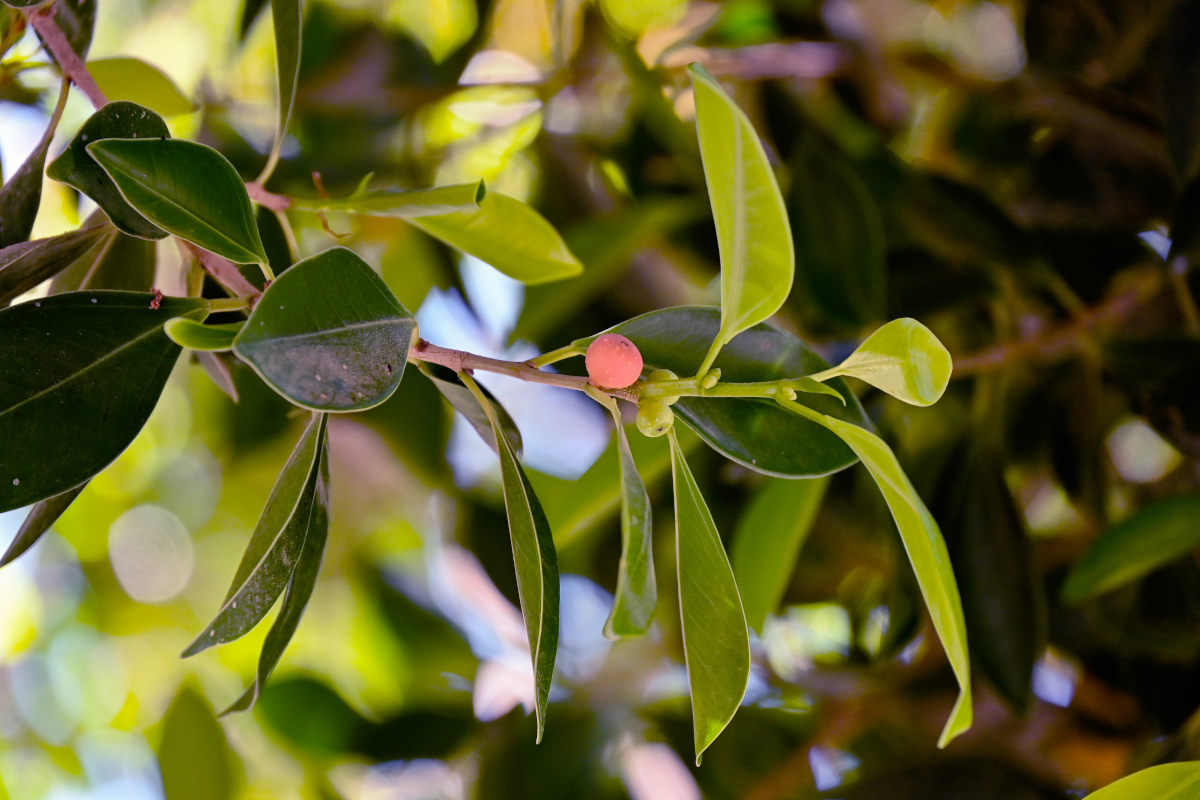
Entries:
{"x":299,"y":588}
{"x":79,"y":375}
{"x":462,"y":401}
{"x":26,"y":264}
{"x":198,"y":336}
{"x":756,"y":433}
{"x":535,"y":560}
{"x":716,"y":644}
{"x":271,"y":557}
{"x":637,"y":594}
{"x":187,"y":189}
{"x":440,"y":200}
{"x":904,"y":359}
{"x":1177,"y":781}
{"x":125,"y":78}
{"x":76,"y":167}
{"x":755,"y":239}
{"x":509,"y":235}
{"x":43,"y":515}
{"x":767,"y":542}
{"x":1156,"y":535}
{"x":328,"y":334}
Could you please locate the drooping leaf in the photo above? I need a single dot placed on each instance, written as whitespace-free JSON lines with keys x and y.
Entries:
{"x":285,"y":16}
{"x":753,"y":234}
{"x":755,"y":433}
{"x":1177,"y":781}
{"x":44,"y":514}
{"x":76,"y":167}
{"x":187,"y":189}
{"x":197,"y":336}
{"x":194,"y":757}
{"x":716,"y":644}
{"x":26,"y":264}
{"x":1155,"y":535}
{"x":21,"y":194}
{"x":926,"y":551}
{"x":299,"y":588}
{"x":328,"y":334}
{"x":1180,"y":73}
{"x":509,"y":235}
{"x":768,"y":539}
{"x":535,"y":560}
{"x":79,"y":375}
{"x":440,"y":200}
{"x":125,"y":78}
{"x":904,"y":359}
{"x":461,"y":399}
{"x":637,"y":593}
{"x":275,"y":547}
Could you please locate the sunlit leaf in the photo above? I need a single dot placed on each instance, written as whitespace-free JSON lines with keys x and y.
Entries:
{"x":194,"y":757}
{"x":197,"y":336}
{"x":275,"y":547}
{"x":637,"y":593}
{"x":755,"y":239}
{"x":768,"y":539}
{"x":509,"y":235}
{"x":461,"y":399}
{"x":299,"y":588}
{"x":328,"y":334}
{"x":187,"y":189}
{"x":813,"y":386}
{"x":76,"y":167}
{"x":716,"y":644}
{"x":440,"y":200}
{"x":44,"y":514}
{"x":1153,"y":536}
{"x":125,"y":78}
{"x":535,"y":560}
{"x":26,"y":264}
{"x":1177,"y":781}
{"x":904,"y":359}
{"x":79,"y":375}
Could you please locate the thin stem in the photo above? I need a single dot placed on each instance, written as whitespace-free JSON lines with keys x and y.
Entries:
{"x":72,"y":66}
{"x":289,"y":235}
{"x":230,"y":303}
{"x":545,"y":359}
{"x":267,"y":272}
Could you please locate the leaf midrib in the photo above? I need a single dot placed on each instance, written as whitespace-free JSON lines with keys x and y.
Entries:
{"x":271,"y":338}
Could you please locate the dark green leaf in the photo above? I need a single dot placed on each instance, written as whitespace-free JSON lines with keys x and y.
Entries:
{"x":270,"y":558}
{"x":117,"y":261}
{"x":904,"y":359}
{"x":535,"y":560}
{"x":328,"y":334}
{"x":119,"y":120}
{"x":1180,"y":74}
{"x":124,"y":78}
{"x":440,"y":200}
{"x":194,"y":757}
{"x":44,"y":514}
{"x":461,"y":399}
{"x":285,"y":14}
{"x":79,"y":375}
{"x":756,"y":433}
{"x":1178,"y":781}
{"x":755,"y":239}
{"x":1155,"y":535}
{"x":187,"y":189}
{"x":26,"y":264}
{"x":509,"y":235}
{"x":767,"y":542}
{"x":300,"y":587}
{"x":637,"y":593}
{"x":198,"y":336}
{"x":716,"y":644}
{"x":21,"y":195}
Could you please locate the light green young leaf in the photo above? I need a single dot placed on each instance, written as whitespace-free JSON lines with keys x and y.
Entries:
{"x":44,"y":514}
{"x":810,"y":386}
{"x":285,"y":16}
{"x":279,"y":537}
{"x":534,"y":557}
{"x":753,"y":234}
{"x":768,"y":539}
{"x":187,"y":189}
{"x":1155,"y":535}
{"x":132,"y":79}
{"x":440,"y":200}
{"x":1177,"y":781}
{"x":716,"y":644}
{"x":637,"y":593}
{"x":197,"y":336}
{"x":902,"y":358}
{"x":509,"y":235}
{"x":926,"y":552}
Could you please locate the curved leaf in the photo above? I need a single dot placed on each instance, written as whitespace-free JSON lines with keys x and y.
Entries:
{"x":767,"y":542}
{"x":285,"y":17}
{"x":328,"y":334}
{"x":904,"y":359}
{"x":716,"y":644}
{"x":509,"y":235}
{"x":44,"y":514}
{"x":753,"y":234}
{"x":755,"y":433}
{"x":637,"y":593}
{"x":119,"y":120}
{"x":79,"y":375}
{"x":21,"y":194}
{"x":125,"y":78}
{"x":187,"y":189}
{"x":439,"y":200}
{"x":1156,"y":535}
{"x":462,"y":401}
{"x":275,"y":547}
{"x":534,"y":557}
{"x":1178,"y":781}
{"x":197,"y":336}
{"x":26,"y":264}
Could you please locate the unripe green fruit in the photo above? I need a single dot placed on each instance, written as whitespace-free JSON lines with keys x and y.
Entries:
{"x":613,"y":362}
{"x":654,"y":417}
{"x":659,"y":376}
